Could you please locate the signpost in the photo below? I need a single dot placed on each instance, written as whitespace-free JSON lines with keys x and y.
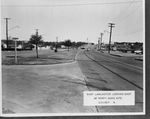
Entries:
{"x":15,"y":49}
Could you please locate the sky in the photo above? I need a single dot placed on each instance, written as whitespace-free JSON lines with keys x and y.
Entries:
{"x":77,"y":20}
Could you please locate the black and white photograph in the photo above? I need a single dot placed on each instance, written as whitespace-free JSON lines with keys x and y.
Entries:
{"x":72,"y":57}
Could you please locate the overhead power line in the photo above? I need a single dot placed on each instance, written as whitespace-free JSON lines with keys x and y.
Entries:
{"x":129,"y":33}
{"x":127,"y":15}
{"x":69,"y":4}
{"x":124,"y":10}
{"x":122,"y":16}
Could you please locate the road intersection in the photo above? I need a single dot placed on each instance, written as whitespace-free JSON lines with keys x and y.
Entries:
{"x":59,"y":88}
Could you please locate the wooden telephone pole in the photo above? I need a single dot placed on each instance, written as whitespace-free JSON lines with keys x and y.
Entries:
{"x":7,"y":30}
{"x":37,"y":43}
{"x":110,"y":25}
{"x":37,"y":31}
{"x":101,"y":40}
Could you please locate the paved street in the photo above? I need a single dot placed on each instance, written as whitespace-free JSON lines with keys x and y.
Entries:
{"x":59,"y":88}
{"x":108,"y":73}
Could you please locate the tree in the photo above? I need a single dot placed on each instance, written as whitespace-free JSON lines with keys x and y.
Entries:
{"x":37,"y":40}
{"x":68,"y":44}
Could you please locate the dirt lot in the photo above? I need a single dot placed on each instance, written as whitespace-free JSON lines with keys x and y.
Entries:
{"x":45,"y":57}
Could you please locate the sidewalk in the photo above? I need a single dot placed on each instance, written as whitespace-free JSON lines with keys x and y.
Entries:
{"x":44,"y":89}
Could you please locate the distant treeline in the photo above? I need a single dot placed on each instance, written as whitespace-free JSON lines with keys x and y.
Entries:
{"x":59,"y":44}
{"x":28,"y":45}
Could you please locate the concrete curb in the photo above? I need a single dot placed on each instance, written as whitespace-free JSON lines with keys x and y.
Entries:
{"x":138,"y":59}
{"x":116,"y":55}
{"x":112,"y":54}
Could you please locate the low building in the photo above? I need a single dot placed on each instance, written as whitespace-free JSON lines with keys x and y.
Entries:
{"x":63,"y":46}
{"x":21,"y":45}
{"x":3,"y":45}
{"x":122,"y":46}
{"x":128,"y":46}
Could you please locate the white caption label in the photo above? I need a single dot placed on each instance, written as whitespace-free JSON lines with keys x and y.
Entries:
{"x":109,"y":98}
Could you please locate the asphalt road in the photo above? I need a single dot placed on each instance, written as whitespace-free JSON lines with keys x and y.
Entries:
{"x":109,"y":73}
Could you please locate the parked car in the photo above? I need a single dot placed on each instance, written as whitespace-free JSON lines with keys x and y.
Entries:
{"x":88,"y":49}
{"x":138,"y":51}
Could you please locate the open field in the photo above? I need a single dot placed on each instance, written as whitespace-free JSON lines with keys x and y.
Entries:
{"x":43,"y":89}
{"x":45,"y":57}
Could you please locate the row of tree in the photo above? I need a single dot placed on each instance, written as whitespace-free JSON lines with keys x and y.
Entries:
{"x":37,"y":41}
{"x":65,"y":43}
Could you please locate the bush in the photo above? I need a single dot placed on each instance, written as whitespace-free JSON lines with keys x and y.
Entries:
{"x":55,"y":50}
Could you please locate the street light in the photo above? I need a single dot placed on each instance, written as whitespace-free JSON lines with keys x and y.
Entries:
{"x":13,"y":28}
{"x":99,"y":43}
{"x":106,"y":31}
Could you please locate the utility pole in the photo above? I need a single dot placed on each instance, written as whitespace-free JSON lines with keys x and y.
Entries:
{"x":7,"y":30}
{"x":36,"y":32}
{"x":87,"y":41}
{"x":101,"y":40}
{"x":98,"y":43}
{"x":57,"y":39}
{"x":37,"y":43}
{"x":110,"y":25}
